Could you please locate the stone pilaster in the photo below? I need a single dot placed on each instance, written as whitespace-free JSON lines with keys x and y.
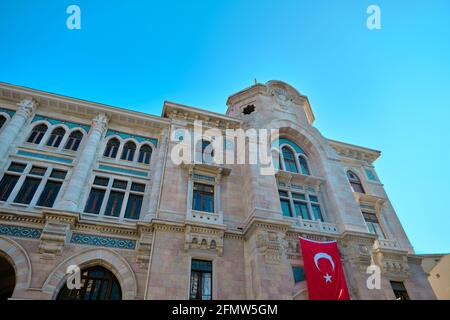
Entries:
{"x":26,"y":110}
{"x":268,"y":270}
{"x":56,"y":233}
{"x":157,"y":172}
{"x":83,"y":167}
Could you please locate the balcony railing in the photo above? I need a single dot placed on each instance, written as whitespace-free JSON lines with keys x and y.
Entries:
{"x":386,"y":244}
{"x":206,"y":217}
{"x":316,"y":225}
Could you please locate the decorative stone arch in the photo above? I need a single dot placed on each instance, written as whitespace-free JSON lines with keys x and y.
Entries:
{"x":94,"y":257}
{"x":33,"y":125}
{"x":6,"y":115}
{"x":316,"y":150}
{"x":69,"y":132}
{"x":16,"y":255}
{"x":105,"y":141}
{"x":124,"y":143}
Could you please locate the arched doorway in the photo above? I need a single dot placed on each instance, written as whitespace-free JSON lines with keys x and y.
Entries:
{"x":97,"y":283}
{"x":7,"y":279}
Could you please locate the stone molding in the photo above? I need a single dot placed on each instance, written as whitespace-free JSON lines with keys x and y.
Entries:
{"x":19,"y":259}
{"x":96,"y":256}
{"x":204,"y":238}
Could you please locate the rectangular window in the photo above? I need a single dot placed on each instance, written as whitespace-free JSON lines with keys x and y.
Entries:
{"x":201,"y":280}
{"x":17,"y":167}
{"x":7,"y":185}
{"x":49,"y":194}
{"x":27,"y":190}
{"x":301,"y":210}
{"x":399,"y":290}
{"x":286,"y":208}
{"x":299,"y":274}
{"x":203,"y":198}
{"x":114,"y":204}
{"x":373,"y":225}
{"x":133,"y":207}
{"x":99,"y":181}
{"x":317,"y":213}
{"x":95,"y":201}
{"x":298,"y":196}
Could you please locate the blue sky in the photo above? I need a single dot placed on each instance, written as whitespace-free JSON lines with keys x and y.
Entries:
{"x":387,"y":89}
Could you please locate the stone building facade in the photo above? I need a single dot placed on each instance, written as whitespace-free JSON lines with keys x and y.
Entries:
{"x":95,"y":186}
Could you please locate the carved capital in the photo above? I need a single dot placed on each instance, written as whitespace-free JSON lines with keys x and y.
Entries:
{"x":100,"y":122}
{"x":27,"y":107}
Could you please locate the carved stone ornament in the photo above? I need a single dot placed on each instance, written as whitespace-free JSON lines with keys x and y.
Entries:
{"x":271,"y":244}
{"x":201,"y":238}
{"x":282,"y":96}
{"x":100,"y":121}
{"x":27,"y":106}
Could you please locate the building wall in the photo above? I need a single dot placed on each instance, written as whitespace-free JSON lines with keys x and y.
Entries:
{"x":251,"y":244}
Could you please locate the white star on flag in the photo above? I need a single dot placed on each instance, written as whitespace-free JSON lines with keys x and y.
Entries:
{"x":327,"y":278}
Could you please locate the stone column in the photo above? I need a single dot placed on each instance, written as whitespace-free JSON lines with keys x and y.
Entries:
{"x":157,"y":176}
{"x":81,"y":171}
{"x":26,"y":110}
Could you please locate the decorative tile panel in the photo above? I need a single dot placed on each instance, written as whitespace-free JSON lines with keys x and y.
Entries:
{"x":125,"y":136}
{"x":71,"y":125}
{"x":43,"y":156}
{"x":101,"y":241}
{"x":17,"y":231}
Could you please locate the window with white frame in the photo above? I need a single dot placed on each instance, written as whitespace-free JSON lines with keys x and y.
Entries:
{"x":56,"y":137}
{"x":203,"y":197}
{"x":112,"y":147}
{"x":37,"y":133}
{"x":355,"y":182}
{"x":74,"y":140}
{"x":373,"y":224}
{"x":145,"y":154}
{"x":292,"y":161}
{"x":115,"y":197}
{"x":297,"y":204}
{"x":128,"y":151}
{"x":31,"y":185}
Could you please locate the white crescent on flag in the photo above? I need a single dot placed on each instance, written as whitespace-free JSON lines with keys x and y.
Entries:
{"x":322,"y":255}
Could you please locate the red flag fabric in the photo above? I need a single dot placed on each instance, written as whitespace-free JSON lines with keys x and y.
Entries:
{"x":323,"y":269}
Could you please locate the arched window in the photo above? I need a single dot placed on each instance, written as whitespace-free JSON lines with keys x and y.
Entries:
{"x":2,"y":121}
{"x":355,"y":182}
{"x":7,"y":279}
{"x":304,"y":165}
{"x":37,"y":134}
{"x":56,"y":137}
{"x":289,"y":160}
{"x":128,"y":151}
{"x":145,"y":153}
{"x":111,"y":148}
{"x":74,"y":140}
{"x":97,"y":283}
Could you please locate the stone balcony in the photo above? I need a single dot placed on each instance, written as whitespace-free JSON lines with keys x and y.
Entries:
{"x":205,"y":217}
{"x":387,"y":245}
{"x":314,"y":226}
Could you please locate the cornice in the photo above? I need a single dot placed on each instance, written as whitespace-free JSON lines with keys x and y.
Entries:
{"x":79,"y":107}
{"x":354,"y":152}
{"x":178,"y":111}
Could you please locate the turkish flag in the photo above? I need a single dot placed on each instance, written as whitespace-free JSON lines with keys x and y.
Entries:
{"x":323,"y":269}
